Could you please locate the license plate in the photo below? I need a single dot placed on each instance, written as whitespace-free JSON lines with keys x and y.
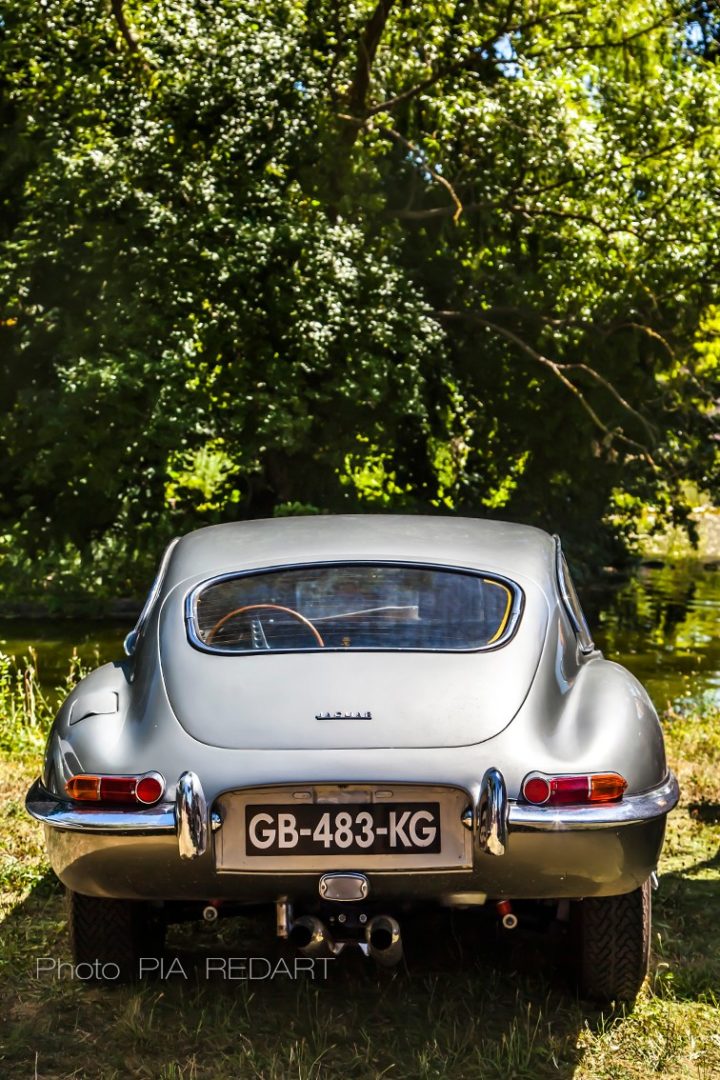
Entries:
{"x":352,"y":829}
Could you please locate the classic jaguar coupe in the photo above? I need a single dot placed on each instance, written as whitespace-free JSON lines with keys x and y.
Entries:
{"x":351,"y":719}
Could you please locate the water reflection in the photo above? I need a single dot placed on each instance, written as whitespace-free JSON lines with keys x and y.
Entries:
{"x":54,"y":640}
{"x":662,"y":624}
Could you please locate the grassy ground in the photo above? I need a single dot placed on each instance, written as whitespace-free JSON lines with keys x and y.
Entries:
{"x":464,"y":1007}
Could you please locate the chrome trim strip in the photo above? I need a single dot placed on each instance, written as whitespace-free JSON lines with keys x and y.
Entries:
{"x":64,"y":814}
{"x":492,"y":813}
{"x":631,"y":810}
{"x":191,"y":598}
{"x":131,"y":639}
{"x":582,"y":630}
{"x":191,"y":813}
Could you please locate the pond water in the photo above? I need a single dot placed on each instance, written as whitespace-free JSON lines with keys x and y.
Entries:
{"x":663,"y":624}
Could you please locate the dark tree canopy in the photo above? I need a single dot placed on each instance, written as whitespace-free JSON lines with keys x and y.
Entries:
{"x":260,"y":257}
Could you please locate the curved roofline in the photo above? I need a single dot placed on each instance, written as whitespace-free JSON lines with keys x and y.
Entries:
{"x":504,"y":547}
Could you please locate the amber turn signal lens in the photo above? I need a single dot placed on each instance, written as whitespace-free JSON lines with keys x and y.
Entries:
{"x":84,"y":788}
{"x":607,"y":787}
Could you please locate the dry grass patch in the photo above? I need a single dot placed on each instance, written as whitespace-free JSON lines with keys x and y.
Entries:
{"x":456,"y":1011}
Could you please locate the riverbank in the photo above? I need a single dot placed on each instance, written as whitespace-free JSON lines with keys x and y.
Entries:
{"x":463,"y":1007}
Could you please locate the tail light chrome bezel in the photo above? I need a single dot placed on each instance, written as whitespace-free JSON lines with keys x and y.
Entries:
{"x":573,"y":789}
{"x":107,"y":789}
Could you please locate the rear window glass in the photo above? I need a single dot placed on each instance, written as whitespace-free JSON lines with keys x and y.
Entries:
{"x":353,"y":607}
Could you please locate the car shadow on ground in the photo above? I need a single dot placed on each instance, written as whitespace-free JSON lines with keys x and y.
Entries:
{"x":684,"y":918}
{"x":479,"y":1001}
{"x":467,"y":1000}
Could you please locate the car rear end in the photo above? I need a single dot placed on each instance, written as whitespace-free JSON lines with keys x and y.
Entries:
{"x":352,"y":738}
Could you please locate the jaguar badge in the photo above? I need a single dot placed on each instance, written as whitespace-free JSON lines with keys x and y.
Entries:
{"x":339,"y":715}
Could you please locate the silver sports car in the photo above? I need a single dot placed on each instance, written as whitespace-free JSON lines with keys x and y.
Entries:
{"x":352,"y":718}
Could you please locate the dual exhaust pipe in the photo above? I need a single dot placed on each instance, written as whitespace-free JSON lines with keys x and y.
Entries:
{"x":383,"y":941}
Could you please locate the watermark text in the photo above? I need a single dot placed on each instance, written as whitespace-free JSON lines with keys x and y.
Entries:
{"x":226,"y":968}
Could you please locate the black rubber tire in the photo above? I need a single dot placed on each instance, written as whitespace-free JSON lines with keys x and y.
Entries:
{"x":613,"y":941}
{"x":111,"y":936}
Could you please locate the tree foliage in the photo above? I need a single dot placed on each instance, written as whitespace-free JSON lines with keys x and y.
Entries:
{"x":258,"y":258}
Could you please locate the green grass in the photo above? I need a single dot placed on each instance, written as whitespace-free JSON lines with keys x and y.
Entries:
{"x":464,"y":1007}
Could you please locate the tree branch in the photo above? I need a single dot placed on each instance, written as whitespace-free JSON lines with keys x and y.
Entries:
{"x":632,"y":164}
{"x":368,"y":42}
{"x":569,"y":215}
{"x":615,"y":393}
{"x":393,"y":134}
{"x":530,"y":211}
{"x":408,"y":214}
{"x":558,"y":370}
{"x":117,"y":10}
{"x":472,"y":57}
{"x":127,"y":34}
{"x":618,"y":43}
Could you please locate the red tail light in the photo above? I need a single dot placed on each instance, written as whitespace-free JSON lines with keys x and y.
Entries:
{"x":149,"y":788}
{"x":129,"y":790}
{"x":579,"y":790}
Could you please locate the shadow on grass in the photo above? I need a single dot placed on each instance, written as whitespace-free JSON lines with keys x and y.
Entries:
{"x":685,"y":913}
{"x":705,"y":810}
{"x":464,"y":1003}
{"x":467,"y":1001}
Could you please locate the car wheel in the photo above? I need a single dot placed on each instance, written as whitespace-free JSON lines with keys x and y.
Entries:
{"x":109,"y":937}
{"x":613,"y":944}
{"x":613,"y":939}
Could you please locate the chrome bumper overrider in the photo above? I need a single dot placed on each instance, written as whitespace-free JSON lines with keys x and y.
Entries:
{"x":496,"y":816}
{"x":493,"y":813}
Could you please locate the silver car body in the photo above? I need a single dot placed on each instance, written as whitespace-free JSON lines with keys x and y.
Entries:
{"x":460,"y":729}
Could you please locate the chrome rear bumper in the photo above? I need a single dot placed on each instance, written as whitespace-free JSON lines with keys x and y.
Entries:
{"x":496,"y":816}
{"x":63,"y":814}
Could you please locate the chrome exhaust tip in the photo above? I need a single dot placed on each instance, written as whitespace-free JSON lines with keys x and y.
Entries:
{"x":384,"y":942}
{"x":310,"y":937}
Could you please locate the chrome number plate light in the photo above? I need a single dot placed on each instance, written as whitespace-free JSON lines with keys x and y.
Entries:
{"x":343,"y":827}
